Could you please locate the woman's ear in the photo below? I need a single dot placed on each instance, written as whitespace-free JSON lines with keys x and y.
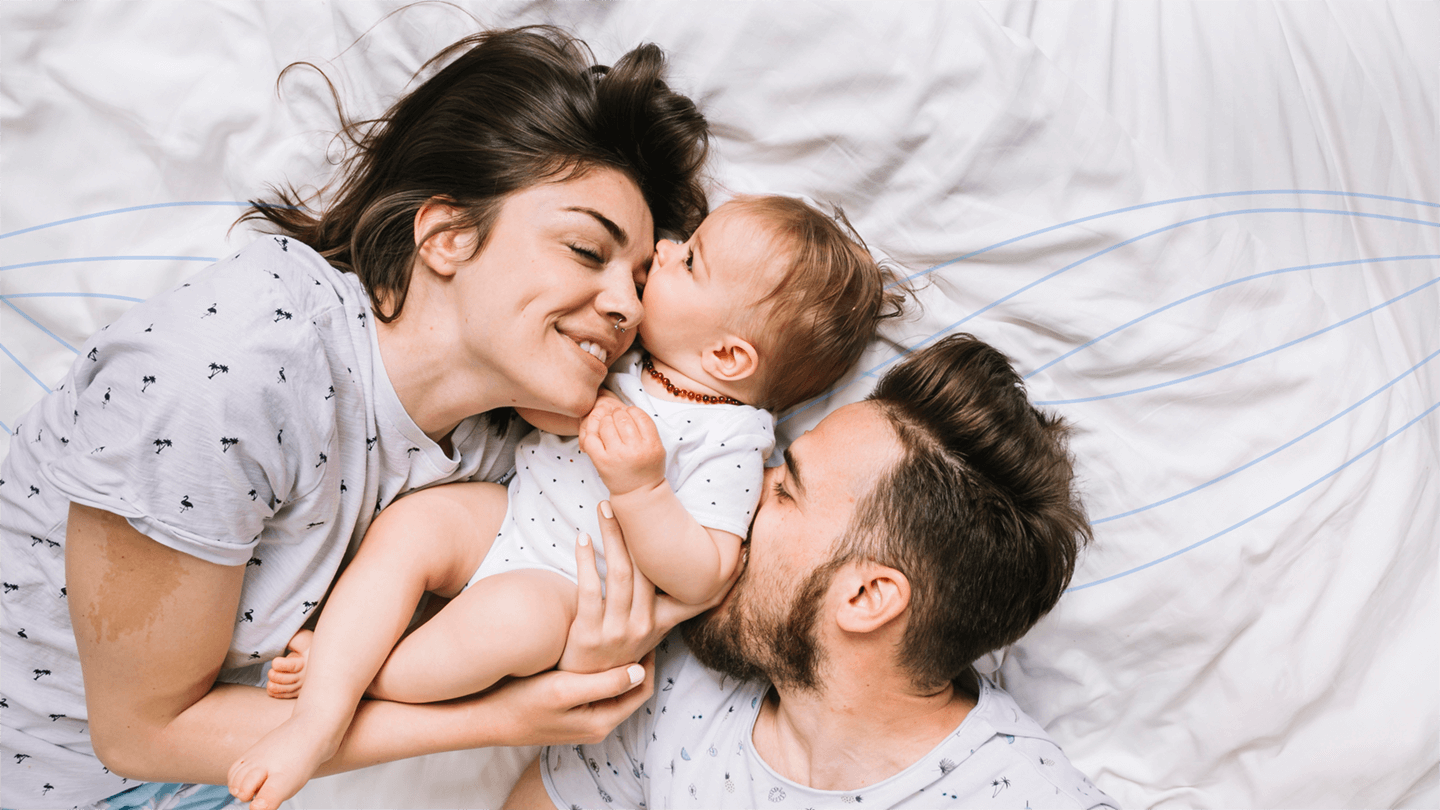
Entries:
{"x":875,"y":595}
{"x":442,"y":249}
{"x":733,"y":360}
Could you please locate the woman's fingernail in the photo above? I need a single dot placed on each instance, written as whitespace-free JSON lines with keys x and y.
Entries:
{"x":583,"y":539}
{"x":605,"y":510}
{"x":637,"y":673}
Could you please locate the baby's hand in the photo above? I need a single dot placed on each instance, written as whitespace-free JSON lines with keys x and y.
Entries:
{"x":625,"y":447}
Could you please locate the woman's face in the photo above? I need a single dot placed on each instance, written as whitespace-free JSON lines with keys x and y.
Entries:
{"x":542,"y":297}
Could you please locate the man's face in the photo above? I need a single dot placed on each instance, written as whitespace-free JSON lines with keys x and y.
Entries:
{"x":769,"y":626}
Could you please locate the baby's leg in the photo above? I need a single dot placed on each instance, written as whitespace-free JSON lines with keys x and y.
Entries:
{"x":510,"y":624}
{"x":430,"y":541}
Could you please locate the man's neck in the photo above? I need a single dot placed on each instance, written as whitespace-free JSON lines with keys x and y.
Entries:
{"x":847,"y":738}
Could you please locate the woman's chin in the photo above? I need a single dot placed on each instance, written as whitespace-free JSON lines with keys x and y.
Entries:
{"x":577,"y":403}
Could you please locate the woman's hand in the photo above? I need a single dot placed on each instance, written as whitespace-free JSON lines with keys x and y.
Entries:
{"x":563,"y":708}
{"x":630,"y":618}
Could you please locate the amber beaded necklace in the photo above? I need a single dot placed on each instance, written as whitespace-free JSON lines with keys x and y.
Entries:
{"x":674,"y":390}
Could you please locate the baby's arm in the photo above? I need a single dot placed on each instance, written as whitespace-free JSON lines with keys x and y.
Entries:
{"x":688,"y":561}
{"x":429,"y":541}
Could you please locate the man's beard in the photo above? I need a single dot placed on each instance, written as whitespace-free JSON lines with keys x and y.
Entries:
{"x":753,"y":641}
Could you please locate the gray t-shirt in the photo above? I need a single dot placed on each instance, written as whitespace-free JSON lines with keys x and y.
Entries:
{"x":689,"y":746}
{"x":244,"y":418}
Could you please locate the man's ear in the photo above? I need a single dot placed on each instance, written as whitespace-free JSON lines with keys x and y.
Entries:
{"x":732,"y":360}
{"x":442,"y":249}
{"x":875,"y":595}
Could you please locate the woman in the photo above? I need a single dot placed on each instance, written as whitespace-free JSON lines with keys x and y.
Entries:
{"x":177,"y":508}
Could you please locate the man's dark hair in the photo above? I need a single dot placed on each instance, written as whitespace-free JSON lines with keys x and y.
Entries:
{"x":513,"y":109}
{"x":980,"y":512}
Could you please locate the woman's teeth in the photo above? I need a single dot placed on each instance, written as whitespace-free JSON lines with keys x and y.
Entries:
{"x":594,"y":349}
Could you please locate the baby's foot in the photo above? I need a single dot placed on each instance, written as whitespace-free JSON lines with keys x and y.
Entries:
{"x":277,"y":766}
{"x":287,"y":674}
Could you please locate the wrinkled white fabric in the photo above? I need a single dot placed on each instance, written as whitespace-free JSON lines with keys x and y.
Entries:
{"x":1203,"y":230}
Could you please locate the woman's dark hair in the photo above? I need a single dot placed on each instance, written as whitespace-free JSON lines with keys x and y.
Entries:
{"x":514,"y":108}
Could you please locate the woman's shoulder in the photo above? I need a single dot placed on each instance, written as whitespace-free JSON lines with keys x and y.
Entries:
{"x":279,"y":271}
{"x":273,"y":297}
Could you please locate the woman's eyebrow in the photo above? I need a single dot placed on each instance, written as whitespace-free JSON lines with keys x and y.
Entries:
{"x":615,"y":230}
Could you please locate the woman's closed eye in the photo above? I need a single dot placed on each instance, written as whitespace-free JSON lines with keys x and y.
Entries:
{"x":587,"y":254}
{"x":778,"y":489}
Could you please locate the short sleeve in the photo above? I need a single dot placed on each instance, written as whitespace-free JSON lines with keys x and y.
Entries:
{"x":193,"y":414}
{"x":610,"y":773}
{"x":721,"y":479}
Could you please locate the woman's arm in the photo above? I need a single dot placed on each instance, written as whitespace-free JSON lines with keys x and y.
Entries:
{"x":153,"y":625}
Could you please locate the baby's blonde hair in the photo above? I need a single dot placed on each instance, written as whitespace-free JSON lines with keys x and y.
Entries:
{"x":811,"y":328}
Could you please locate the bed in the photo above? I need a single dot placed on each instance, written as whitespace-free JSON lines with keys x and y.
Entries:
{"x":1206,"y":233}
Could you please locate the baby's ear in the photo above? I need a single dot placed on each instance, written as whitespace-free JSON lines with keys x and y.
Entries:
{"x":733,"y":360}
{"x":442,"y":249}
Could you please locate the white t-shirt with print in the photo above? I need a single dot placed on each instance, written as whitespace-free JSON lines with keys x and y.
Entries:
{"x":690,"y":746}
{"x":714,"y":460}
{"x":244,"y":418}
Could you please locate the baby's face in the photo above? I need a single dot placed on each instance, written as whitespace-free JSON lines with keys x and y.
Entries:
{"x":699,"y":289}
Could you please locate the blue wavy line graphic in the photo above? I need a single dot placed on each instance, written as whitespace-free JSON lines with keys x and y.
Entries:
{"x":1132,"y":240}
{"x":1432,"y":282}
{"x":1272,"y":507}
{"x":110,"y":296}
{"x":874,"y":371}
{"x":1282,"y":447}
{"x":132,"y":209}
{"x":1218,"y":287}
{"x":83,"y":259}
{"x":5,"y":299}
{"x":27,"y":371}
{"x":1171,"y":201}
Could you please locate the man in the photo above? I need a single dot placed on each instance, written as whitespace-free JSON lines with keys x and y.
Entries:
{"x":904,"y":537}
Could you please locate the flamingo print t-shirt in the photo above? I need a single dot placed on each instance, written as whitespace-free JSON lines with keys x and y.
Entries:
{"x":244,"y":418}
{"x":689,"y":746}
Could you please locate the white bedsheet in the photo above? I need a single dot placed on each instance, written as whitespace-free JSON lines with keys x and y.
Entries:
{"x":1208,"y":233}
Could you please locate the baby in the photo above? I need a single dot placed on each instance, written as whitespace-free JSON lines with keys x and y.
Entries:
{"x":768,"y":304}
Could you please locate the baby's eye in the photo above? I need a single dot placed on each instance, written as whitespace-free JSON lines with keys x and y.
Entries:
{"x":690,"y":259}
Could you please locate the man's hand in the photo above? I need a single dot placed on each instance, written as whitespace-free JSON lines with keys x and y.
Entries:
{"x":630,"y":618}
{"x":625,"y":447}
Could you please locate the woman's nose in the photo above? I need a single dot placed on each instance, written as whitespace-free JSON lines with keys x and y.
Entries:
{"x":619,"y":300}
